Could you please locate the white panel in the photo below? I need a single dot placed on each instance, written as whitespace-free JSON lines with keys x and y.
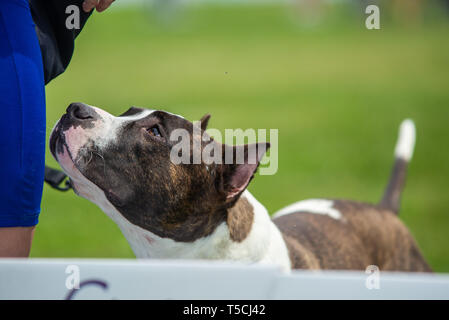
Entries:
{"x":165,"y":279}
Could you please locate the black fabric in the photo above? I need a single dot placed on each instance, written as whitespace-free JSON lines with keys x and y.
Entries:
{"x":56,"y":41}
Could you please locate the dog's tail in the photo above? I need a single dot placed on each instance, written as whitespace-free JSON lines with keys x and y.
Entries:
{"x":403,"y":154}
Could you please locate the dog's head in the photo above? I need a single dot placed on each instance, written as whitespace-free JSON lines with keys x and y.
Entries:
{"x":134,"y":160}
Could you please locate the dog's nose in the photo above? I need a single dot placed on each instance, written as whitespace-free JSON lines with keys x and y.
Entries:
{"x":80,"y":111}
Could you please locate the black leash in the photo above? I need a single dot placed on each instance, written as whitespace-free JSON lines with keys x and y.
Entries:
{"x":55,"y":178}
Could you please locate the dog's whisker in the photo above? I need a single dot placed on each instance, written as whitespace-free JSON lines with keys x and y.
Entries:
{"x":104,"y":161}
{"x":90,"y":158}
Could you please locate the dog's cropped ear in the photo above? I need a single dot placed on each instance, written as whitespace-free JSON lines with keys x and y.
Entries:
{"x":204,"y":121}
{"x":240,"y":169}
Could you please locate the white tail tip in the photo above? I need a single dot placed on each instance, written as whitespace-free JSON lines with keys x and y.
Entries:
{"x":406,"y":141}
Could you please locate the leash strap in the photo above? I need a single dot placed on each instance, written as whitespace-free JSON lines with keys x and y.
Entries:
{"x":55,"y":178}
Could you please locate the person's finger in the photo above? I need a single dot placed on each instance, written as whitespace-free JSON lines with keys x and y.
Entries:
{"x":88,"y":5}
{"x":103,"y":5}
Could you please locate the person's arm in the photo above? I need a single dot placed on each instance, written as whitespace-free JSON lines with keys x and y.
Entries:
{"x":99,"y":5}
{"x":56,"y":40}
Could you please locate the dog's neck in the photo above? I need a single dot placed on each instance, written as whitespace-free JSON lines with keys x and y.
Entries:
{"x":248,"y":236}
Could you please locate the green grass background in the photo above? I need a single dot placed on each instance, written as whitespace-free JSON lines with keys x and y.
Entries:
{"x":336,"y":92}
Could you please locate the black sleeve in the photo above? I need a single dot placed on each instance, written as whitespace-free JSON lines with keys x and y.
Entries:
{"x":56,"y":41}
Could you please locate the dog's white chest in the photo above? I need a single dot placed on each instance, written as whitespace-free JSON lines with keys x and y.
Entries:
{"x":264,"y":243}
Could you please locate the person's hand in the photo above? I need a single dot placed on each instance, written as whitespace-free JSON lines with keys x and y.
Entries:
{"x":100,"y":5}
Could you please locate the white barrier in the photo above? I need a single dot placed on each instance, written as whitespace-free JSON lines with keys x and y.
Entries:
{"x":152,"y":279}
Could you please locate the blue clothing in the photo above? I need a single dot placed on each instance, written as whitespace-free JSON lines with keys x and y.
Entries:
{"x":22,"y":117}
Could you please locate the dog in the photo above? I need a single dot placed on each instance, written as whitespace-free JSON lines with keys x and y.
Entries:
{"x":204,"y":210}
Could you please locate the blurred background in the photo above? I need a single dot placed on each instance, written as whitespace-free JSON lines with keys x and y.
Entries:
{"x":335,"y":90}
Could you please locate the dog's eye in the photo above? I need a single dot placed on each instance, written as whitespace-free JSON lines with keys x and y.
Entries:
{"x":154,"y":131}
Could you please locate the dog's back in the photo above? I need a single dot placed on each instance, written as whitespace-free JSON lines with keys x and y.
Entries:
{"x":342,"y":234}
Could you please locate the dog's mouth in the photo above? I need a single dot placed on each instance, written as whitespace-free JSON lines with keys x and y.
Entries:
{"x":57,"y":143}
{"x":55,"y":140}
{"x":61,"y":152}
